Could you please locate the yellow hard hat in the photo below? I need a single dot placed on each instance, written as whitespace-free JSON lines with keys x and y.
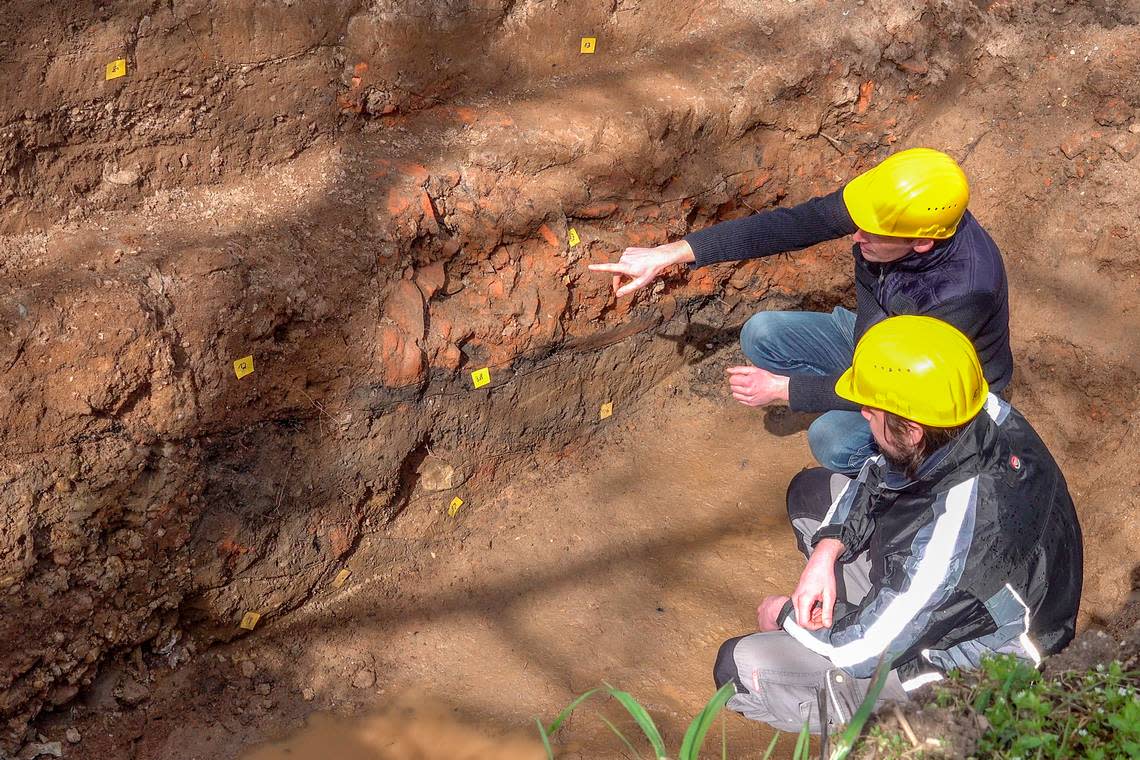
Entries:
{"x":916,"y":193}
{"x":919,"y":368}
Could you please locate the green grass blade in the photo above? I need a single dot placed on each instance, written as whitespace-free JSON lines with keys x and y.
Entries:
{"x":621,"y":736}
{"x":642,"y":717}
{"x":695,"y":735}
{"x":803,"y":744}
{"x":562,"y":716}
{"x":846,"y":741}
{"x":545,"y":740}
{"x":771,"y":747}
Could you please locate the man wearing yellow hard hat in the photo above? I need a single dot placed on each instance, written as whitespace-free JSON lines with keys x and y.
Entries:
{"x":959,"y":540}
{"x":917,"y":250}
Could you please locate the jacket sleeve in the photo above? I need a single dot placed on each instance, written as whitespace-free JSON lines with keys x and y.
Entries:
{"x":776,"y":231}
{"x":848,"y":519}
{"x":916,"y":603}
{"x":816,"y":393}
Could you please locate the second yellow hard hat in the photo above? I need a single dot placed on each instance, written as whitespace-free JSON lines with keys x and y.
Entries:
{"x":919,"y":368}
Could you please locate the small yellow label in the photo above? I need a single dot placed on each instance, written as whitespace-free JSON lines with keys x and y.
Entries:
{"x":249,"y":620}
{"x":572,"y":236}
{"x":454,"y":506}
{"x":606,"y":410}
{"x":481,"y":377}
{"x":341,"y":577}
{"x":589,"y":44}
{"x":243,"y":366}
{"x":116,"y":69}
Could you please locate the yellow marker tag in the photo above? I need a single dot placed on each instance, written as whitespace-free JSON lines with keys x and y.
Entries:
{"x":481,"y":377}
{"x":606,"y":410}
{"x":243,"y":366}
{"x":116,"y":69}
{"x":588,"y":44}
{"x":572,"y":236}
{"x":249,"y":620}
{"x":340,"y":578}
{"x":454,"y":506}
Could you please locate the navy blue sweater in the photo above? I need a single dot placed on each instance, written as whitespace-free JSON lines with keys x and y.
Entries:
{"x":960,"y":281}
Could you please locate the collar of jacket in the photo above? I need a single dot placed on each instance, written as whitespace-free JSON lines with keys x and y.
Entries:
{"x":978,"y":438}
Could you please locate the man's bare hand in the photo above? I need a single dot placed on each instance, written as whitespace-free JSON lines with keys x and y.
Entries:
{"x":768,"y":611}
{"x":757,"y":387}
{"x":814,"y":597}
{"x":641,"y":266}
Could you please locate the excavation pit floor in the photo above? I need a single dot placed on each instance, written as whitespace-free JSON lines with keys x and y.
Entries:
{"x":627,"y":562}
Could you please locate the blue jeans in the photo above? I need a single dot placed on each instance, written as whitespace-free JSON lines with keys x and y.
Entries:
{"x":813,"y":343}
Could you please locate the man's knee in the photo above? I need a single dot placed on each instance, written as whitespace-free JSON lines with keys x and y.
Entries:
{"x":809,"y":495}
{"x":837,"y":447}
{"x":725,"y":670}
{"x":757,"y":336}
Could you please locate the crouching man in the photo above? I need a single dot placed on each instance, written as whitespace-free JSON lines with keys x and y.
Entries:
{"x":957,"y":541}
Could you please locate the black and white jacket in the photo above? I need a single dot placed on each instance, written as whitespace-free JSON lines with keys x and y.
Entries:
{"x":981,"y":553}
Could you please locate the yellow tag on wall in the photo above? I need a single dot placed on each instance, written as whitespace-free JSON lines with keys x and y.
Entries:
{"x":454,"y":506}
{"x":243,"y":366}
{"x":116,"y":69}
{"x":606,"y":410}
{"x":249,"y":620}
{"x":481,"y":377}
{"x":589,"y":44}
{"x":340,"y":578}
{"x":572,"y":236}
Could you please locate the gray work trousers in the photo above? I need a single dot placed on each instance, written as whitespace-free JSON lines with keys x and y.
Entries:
{"x":780,"y":681}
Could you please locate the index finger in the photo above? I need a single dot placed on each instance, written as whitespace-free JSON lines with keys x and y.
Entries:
{"x":614,"y":267}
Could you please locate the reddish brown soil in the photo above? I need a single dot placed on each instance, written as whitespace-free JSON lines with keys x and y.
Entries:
{"x":375,"y":201}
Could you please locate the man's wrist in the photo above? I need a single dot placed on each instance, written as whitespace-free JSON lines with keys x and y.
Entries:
{"x":828,"y":548}
{"x":680,"y":252}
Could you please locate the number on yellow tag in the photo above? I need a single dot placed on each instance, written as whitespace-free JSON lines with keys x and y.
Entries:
{"x":572,"y":236}
{"x":243,"y":366}
{"x":116,"y":69}
{"x":454,"y":506}
{"x":249,"y":620}
{"x":481,"y":377}
{"x":606,"y":410}
{"x":340,"y":578}
{"x":589,"y":44}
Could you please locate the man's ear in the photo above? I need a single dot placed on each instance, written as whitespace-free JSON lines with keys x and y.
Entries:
{"x":922,"y":245}
{"x":914,"y":434}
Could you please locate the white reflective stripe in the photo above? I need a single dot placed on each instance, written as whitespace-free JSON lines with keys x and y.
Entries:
{"x":921,"y":680}
{"x":1026,"y":644}
{"x":932,"y":570}
{"x":997,"y":409}
{"x":811,"y":642}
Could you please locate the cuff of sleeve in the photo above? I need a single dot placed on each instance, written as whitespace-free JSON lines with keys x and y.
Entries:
{"x":836,"y":532}
{"x":788,"y":610}
{"x":816,"y":393}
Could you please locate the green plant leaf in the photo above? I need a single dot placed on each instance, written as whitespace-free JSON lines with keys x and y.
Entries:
{"x":695,"y":735}
{"x":642,"y":717}
{"x":545,"y":740}
{"x":803,"y":744}
{"x":562,"y":716}
{"x":771,"y":747}
{"x":621,"y":736}
{"x":846,"y":741}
